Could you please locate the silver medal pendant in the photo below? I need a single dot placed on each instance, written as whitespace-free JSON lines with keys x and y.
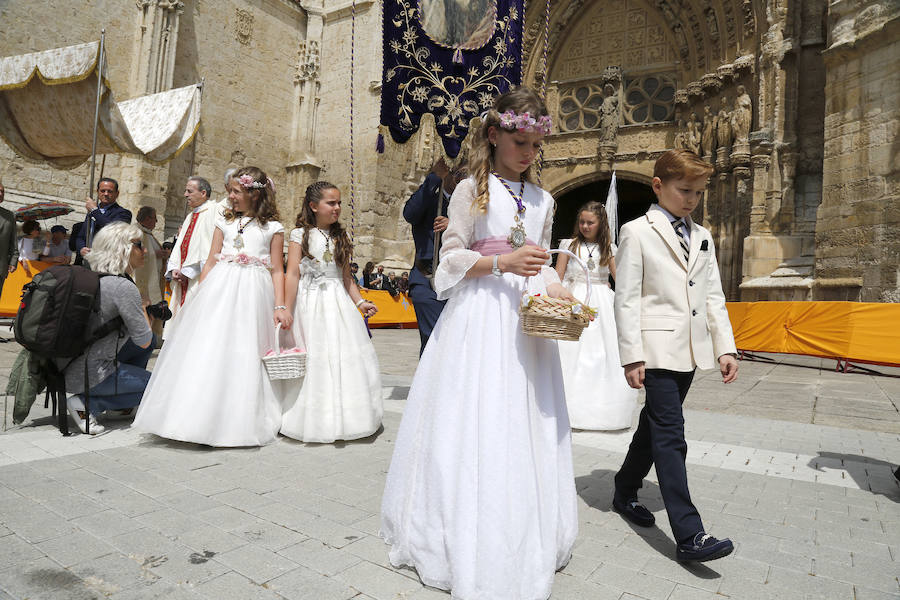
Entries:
{"x":591,"y":264}
{"x":326,"y":256}
{"x":238,"y":241}
{"x":517,"y":236}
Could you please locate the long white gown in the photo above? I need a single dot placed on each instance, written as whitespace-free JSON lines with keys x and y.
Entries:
{"x":209,"y":385}
{"x":597,"y":394}
{"x":480,"y":495}
{"x":340,"y":397}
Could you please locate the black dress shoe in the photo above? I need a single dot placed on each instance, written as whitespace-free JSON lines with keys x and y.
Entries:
{"x":703,"y":547}
{"x":634,"y":511}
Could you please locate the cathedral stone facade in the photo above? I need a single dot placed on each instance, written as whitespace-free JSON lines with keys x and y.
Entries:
{"x":795,"y":102}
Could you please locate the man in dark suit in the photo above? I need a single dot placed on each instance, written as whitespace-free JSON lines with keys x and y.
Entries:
{"x":9,"y":250}
{"x":102,"y":214}
{"x":421,"y":211}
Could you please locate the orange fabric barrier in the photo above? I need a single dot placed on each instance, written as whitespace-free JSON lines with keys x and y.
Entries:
{"x":12,"y":288}
{"x":392,"y":312}
{"x":856,"y":331}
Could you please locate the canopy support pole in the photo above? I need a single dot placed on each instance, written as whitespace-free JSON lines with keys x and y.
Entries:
{"x":187,"y":206}
{"x":100,"y":61}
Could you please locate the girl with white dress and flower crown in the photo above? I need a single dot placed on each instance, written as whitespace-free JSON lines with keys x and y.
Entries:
{"x":480,"y":495}
{"x":340,"y":397}
{"x":597,"y":395}
{"x":209,"y":385}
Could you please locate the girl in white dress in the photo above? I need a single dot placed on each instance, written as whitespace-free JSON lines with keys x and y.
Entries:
{"x":480,"y":495}
{"x":209,"y":385}
{"x":597,"y":394}
{"x":340,"y":397}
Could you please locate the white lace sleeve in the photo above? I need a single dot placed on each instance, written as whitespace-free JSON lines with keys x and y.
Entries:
{"x":297,"y":235}
{"x":549,"y":273}
{"x":456,"y":258}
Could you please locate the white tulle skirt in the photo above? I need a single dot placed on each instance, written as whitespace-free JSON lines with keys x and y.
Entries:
{"x":597,"y":395}
{"x":340,"y":397}
{"x":480,"y":496}
{"x":209,"y":385}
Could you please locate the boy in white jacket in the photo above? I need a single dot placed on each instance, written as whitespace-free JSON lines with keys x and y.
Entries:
{"x":671,"y":317}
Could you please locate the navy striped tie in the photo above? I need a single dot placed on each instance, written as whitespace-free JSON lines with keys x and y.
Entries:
{"x":679,"y":230}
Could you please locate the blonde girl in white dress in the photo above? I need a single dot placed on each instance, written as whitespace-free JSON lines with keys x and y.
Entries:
{"x":480,"y":495}
{"x":209,"y":385}
{"x":597,"y":394}
{"x":340,"y":397}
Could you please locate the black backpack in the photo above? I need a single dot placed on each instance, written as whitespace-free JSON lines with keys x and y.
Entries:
{"x":53,"y":322}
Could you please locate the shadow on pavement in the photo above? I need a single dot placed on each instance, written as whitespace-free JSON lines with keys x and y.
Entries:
{"x":596,"y":490}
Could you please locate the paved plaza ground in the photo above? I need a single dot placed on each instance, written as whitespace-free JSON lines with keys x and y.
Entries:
{"x":793,"y":462}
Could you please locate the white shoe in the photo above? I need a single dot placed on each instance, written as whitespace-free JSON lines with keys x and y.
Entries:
{"x":75,"y":405}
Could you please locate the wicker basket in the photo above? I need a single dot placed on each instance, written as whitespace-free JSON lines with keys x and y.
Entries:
{"x":284,"y":366}
{"x":555,"y":318}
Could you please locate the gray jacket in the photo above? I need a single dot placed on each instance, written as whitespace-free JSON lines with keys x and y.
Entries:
{"x":9,"y":250}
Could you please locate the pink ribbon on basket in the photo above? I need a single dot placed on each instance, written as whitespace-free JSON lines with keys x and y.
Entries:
{"x":495,"y":245}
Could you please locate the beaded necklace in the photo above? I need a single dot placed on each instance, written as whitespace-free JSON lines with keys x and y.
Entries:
{"x":327,"y":255}
{"x":239,"y":238}
{"x":517,"y":236}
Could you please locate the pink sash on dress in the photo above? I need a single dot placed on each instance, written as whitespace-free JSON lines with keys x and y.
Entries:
{"x":495,"y":245}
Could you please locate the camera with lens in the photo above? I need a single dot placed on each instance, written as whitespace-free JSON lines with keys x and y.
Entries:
{"x":160,"y":311}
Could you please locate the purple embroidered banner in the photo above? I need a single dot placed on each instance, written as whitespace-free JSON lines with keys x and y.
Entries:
{"x":453,"y":83}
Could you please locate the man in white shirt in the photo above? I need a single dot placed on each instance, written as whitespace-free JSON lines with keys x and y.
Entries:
{"x":57,"y":249}
{"x":192,"y":245}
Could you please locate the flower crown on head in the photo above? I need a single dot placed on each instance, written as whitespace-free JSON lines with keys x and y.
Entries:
{"x":248,"y":182}
{"x":525,"y":122}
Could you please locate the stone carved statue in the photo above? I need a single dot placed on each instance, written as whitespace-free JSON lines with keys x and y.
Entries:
{"x":708,"y":137}
{"x":723,"y":125}
{"x":609,"y":115}
{"x":681,"y":135}
{"x":741,"y":116}
{"x":693,"y":134}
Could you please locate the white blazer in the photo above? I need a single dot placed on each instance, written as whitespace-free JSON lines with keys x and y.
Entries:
{"x":670,"y":314}
{"x":200,"y":242}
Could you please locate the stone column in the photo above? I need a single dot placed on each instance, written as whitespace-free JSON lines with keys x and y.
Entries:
{"x":304,"y":165}
{"x":153,"y":70}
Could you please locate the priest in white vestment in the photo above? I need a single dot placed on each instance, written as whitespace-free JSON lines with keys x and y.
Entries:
{"x":192,"y":245}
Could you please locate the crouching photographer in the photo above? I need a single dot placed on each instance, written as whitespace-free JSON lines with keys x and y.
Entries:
{"x":116,"y":366}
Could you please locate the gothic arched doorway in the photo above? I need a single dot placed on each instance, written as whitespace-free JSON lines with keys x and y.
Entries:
{"x":634,"y":200}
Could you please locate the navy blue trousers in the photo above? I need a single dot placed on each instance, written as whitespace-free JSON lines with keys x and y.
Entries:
{"x":660,"y":439}
{"x":428,"y":307}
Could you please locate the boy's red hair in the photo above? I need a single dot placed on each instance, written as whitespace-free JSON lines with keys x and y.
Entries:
{"x":681,"y":164}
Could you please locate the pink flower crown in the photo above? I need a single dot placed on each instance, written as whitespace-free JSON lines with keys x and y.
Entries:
{"x":248,"y":182}
{"x":525,"y":122}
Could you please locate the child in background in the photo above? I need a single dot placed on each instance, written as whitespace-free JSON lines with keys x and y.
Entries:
{"x":597,"y":395}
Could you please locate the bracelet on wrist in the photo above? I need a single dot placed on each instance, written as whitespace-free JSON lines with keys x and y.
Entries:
{"x":280,"y":307}
{"x":361,"y":302}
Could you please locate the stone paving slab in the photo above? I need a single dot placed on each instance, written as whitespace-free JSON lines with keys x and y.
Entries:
{"x":813,"y":509}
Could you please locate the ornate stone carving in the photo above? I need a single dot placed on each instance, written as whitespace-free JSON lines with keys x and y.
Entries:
{"x":749,"y":21}
{"x":741,"y":117}
{"x":708,"y":135}
{"x":683,"y":51}
{"x":612,"y":75}
{"x":695,"y":89}
{"x":744,"y":63}
{"x":609,"y":114}
{"x":308,"y":61}
{"x":723,"y":124}
{"x":725,"y":72}
{"x":681,"y":96}
{"x":712,"y":26}
{"x":711,"y":82}
{"x":243,"y":26}
{"x":729,"y":23}
{"x":693,"y":134}
{"x":681,"y":136}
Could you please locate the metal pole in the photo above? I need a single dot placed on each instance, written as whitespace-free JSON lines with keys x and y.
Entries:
{"x":194,"y":145}
{"x":100,"y":61}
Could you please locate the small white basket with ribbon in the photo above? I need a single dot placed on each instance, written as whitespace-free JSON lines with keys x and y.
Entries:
{"x":287,"y":364}
{"x":556,"y":318}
